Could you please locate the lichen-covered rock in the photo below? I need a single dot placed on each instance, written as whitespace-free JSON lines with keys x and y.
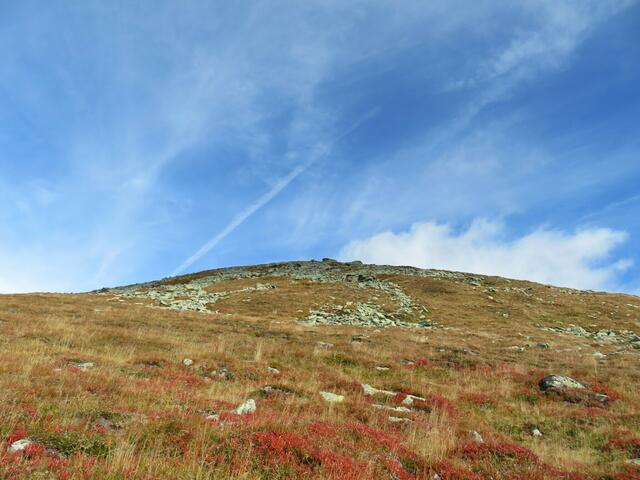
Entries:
{"x":19,"y":445}
{"x":559,"y":382}
{"x":247,"y":407}
{"x":84,"y":366}
{"x":332,"y":397}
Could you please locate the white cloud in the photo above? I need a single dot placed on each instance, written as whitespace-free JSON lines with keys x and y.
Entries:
{"x":580,"y":259}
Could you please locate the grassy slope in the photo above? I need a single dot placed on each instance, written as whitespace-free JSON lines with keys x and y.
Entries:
{"x":140,"y":413}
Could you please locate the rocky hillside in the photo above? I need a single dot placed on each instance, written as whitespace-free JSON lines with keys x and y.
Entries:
{"x":321,"y":370}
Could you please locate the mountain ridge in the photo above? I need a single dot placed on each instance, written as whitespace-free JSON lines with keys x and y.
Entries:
{"x":321,"y":369}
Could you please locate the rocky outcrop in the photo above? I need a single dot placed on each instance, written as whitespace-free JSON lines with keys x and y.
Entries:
{"x":187,"y":297}
{"x":192,"y":294}
{"x":603,"y":335}
{"x":361,"y":315}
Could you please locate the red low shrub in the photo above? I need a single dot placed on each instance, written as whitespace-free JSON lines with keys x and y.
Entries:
{"x":380,"y":437}
{"x":480,"y":399}
{"x":498,"y":450}
{"x":399,"y":472}
{"x":437,"y":402}
{"x":323,"y":429}
{"x":340,"y":467}
{"x":446,"y":471}
{"x":17,"y":434}
{"x":282,"y":444}
{"x":629,"y":473}
{"x":629,"y":445}
{"x":608,"y":391}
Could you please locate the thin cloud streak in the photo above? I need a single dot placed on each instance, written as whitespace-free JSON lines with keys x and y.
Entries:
{"x":270,"y":195}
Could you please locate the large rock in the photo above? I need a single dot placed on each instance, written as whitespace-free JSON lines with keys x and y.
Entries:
{"x":558,"y":382}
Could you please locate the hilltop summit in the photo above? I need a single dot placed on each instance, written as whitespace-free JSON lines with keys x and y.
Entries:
{"x":321,"y":369}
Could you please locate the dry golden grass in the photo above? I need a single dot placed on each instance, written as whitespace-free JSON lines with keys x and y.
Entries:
{"x":141,"y":413}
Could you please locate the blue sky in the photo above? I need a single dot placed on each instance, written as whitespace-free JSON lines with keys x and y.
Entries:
{"x":140,"y":139}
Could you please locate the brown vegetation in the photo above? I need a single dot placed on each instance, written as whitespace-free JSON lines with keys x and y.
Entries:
{"x":140,"y":412}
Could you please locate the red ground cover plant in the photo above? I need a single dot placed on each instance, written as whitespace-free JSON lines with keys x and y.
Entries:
{"x":608,"y":391}
{"x":499,"y":450}
{"x":339,"y":466}
{"x":281,"y":451}
{"x":629,"y":473}
{"x":447,"y":471}
{"x":399,"y":472}
{"x":381,"y":438}
{"x":480,"y":399}
{"x":417,"y":363}
{"x":17,"y":434}
{"x":323,"y":430}
{"x":286,"y":446}
{"x":433,"y":401}
{"x":630,"y":445}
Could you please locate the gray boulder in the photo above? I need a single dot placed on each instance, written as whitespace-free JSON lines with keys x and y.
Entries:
{"x":559,"y":382}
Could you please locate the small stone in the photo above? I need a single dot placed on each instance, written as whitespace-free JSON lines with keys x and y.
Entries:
{"x":325,"y":345}
{"x":247,"y":407}
{"x":601,"y":397}
{"x":382,"y":368}
{"x":401,"y":409}
{"x":223,"y":374}
{"x":187,"y":362}
{"x":273,"y":371}
{"x":599,"y":355}
{"x":19,"y":445}
{"x":267,"y":389}
{"x":213,"y":417}
{"x":399,"y":420}
{"x":408,"y":400}
{"x":332,"y":397}
{"x":536,"y":433}
{"x":84,"y":366}
{"x":368,"y":389}
{"x":476,"y":437}
{"x":634,"y":461}
{"x":542,"y":345}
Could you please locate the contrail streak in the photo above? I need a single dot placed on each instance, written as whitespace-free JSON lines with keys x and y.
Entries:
{"x":264,"y":199}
